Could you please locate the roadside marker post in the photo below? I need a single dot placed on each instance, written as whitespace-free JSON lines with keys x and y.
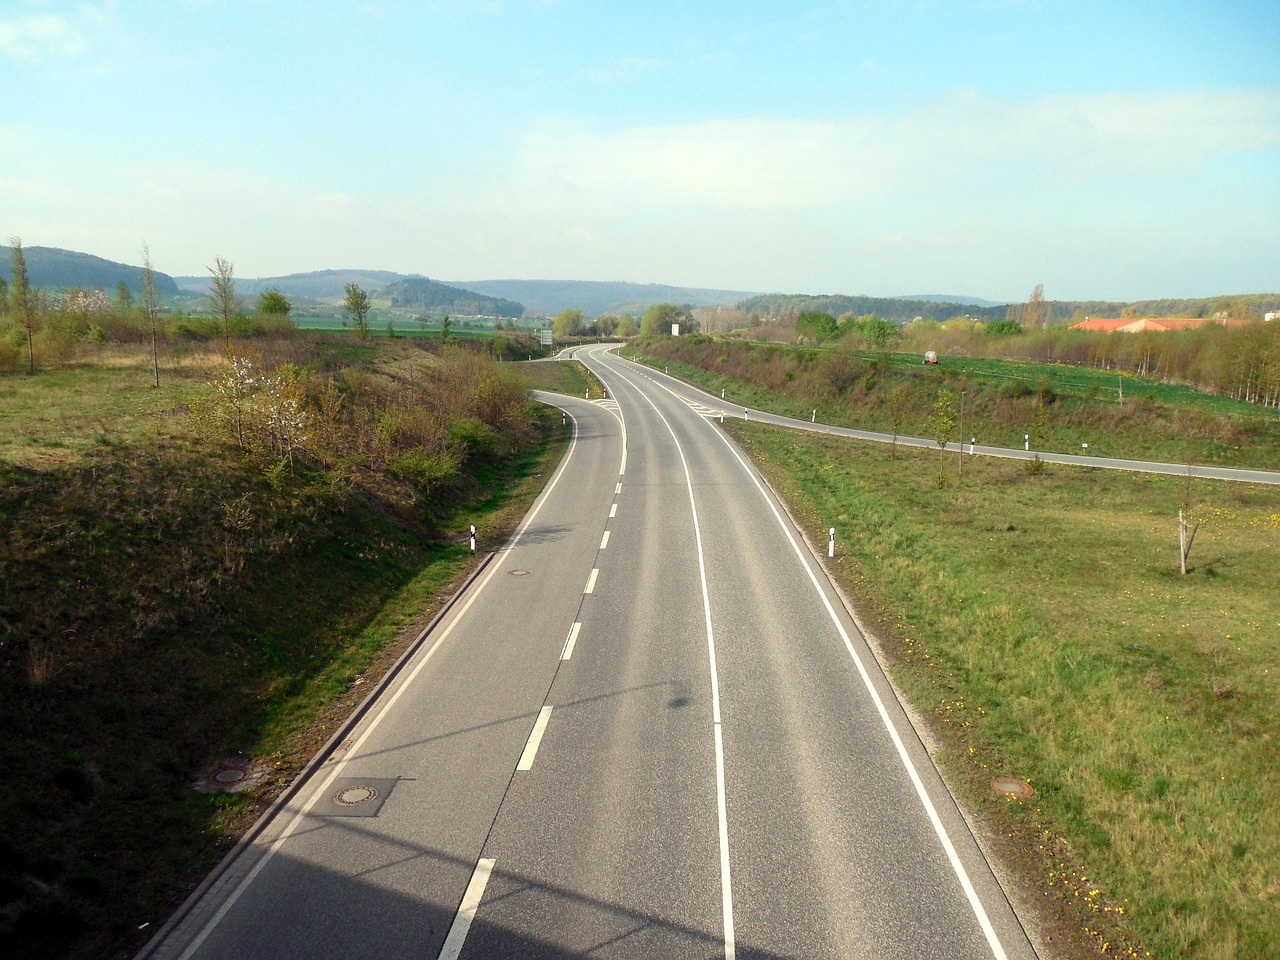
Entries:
{"x":973,"y":445}
{"x":814,"y":418}
{"x":473,"y":538}
{"x":831,"y":543}
{"x":1026,"y":441}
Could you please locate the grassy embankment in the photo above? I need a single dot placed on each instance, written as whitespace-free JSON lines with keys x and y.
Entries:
{"x":170,"y":598}
{"x":1040,"y":625}
{"x":1061,"y":407}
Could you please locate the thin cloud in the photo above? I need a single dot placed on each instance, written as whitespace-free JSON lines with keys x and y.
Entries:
{"x":42,"y":33}
{"x":962,"y":138}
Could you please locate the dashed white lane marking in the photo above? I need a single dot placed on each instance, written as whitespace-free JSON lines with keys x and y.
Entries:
{"x":467,"y":912}
{"x":618,"y":488}
{"x":535,"y":738}
{"x":567,"y":652}
{"x":604,"y":541}
{"x":382,"y":711}
{"x":613,"y":511}
{"x":591,"y":581}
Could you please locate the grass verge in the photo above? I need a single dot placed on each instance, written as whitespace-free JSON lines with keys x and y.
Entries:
{"x":1040,"y":625}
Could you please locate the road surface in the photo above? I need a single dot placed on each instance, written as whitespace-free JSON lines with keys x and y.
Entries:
{"x":648,"y":728}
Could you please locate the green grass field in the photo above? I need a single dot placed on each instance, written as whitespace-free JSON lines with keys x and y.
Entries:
{"x":1040,"y":623}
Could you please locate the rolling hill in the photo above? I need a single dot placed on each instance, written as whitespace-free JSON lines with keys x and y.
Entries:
{"x":51,"y":268}
{"x":429,"y":297}
{"x":594,"y":297}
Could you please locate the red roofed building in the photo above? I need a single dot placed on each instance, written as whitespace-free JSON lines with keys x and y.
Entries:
{"x":1159,"y":324}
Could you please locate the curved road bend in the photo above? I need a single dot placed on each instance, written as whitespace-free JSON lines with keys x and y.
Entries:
{"x":648,"y":730}
{"x":714,"y":406}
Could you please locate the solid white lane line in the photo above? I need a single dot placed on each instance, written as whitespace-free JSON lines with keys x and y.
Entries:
{"x":722,"y":810}
{"x":467,"y":912}
{"x":377,"y":717}
{"x":535,"y":738}
{"x":591,"y":581}
{"x":613,"y":511}
{"x":604,"y":541}
{"x":971,"y":894}
{"x":570,"y":641}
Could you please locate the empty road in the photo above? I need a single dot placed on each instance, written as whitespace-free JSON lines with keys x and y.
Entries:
{"x":648,"y":728}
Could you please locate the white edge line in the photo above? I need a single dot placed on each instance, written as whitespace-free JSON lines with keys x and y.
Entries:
{"x":971,"y":894}
{"x":452,"y":948}
{"x":570,"y":641}
{"x":535,"y":739}
{"x":376,"y":718}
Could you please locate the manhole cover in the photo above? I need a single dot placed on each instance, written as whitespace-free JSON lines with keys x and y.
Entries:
{"x":1013,"y":787}
{"x":355,"y":797}
{"x":519,"y":573}
{"x":230,"y":776}
{"x":350,"y":796}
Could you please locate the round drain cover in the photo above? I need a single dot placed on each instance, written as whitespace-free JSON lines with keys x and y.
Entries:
{"x":519,"y":573}
{"x":353,"y":796}
{"x":230,"y":775}
{"x":1013,"y":787}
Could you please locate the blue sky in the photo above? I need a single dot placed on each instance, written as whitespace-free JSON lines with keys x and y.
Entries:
{"x":1115,"y":150}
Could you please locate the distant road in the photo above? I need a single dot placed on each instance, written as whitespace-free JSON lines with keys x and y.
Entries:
{"x":715,"y":405}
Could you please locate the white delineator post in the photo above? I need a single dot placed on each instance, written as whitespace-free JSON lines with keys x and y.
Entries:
{"x":814,"y":418}
{"x":473,"y":538}
{"x":831,"y":542}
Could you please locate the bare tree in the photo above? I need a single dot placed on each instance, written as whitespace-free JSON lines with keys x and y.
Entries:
{"x":1037,"y":315}
{"x":151,"y":304}
{"x":22,"y":305}
{"x":223,"y":297}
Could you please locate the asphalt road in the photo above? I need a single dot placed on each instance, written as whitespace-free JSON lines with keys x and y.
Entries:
{"x":647,"y":729}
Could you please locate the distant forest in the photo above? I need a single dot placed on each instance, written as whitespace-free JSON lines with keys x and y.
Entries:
{"x":779,"y":306}
{"x":775,"y":306}
{"x":429,"y":297}
{"x":49,"y":268}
